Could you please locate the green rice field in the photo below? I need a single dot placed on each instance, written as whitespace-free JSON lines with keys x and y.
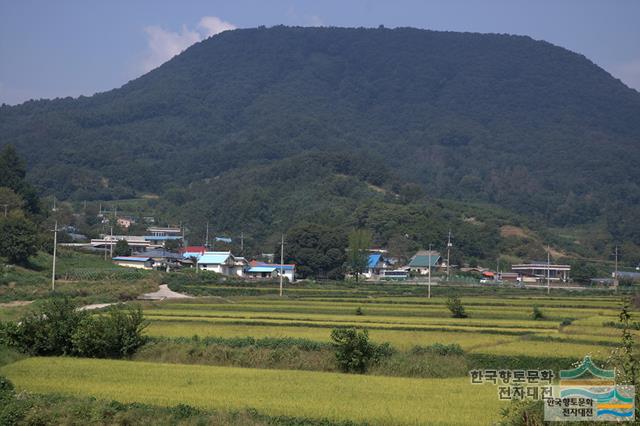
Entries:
{"x":497,"y":329}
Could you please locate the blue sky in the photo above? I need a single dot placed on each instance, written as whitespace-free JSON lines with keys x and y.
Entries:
{"x":73,"y":47}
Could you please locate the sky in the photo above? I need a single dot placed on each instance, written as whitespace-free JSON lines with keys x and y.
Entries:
{"x":65,"y":48}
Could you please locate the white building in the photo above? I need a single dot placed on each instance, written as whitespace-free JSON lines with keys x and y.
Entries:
{"x":222,"y":262}
{"x":134,"y":262}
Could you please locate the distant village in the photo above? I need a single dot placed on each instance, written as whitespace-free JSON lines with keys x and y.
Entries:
{"x":164,"y":248}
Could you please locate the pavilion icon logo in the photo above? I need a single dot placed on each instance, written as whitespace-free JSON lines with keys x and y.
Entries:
{"x":590,"y":393}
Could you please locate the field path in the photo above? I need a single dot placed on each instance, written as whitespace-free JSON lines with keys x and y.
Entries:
{"x":164,"y":293}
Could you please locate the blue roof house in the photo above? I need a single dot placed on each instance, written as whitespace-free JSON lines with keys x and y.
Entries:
{"x":375,"y":265}
{"x":221,"y":262}
{"x":270,"y":270}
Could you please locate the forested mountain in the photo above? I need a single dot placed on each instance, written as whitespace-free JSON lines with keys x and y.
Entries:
{"x":499,"y":119}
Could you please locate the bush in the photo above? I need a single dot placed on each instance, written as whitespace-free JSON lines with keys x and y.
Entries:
{"x":438,"y":349}
{"x":455,"y":306}
{"x":566,"y":322}
{"x":523,"y":413}
{"x":6,"y":389}
{"x":12,"y":410}
{"x":354,"y":352}
{"x":58,"y":328}
{"x":359,"y":311}
{"x":45,"y":331}
{"x":536,"y":313}
{"x":116,"y":335}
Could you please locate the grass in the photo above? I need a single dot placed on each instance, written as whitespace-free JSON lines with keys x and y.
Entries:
{"x":373,"y":399}
{"x":86,"y":277}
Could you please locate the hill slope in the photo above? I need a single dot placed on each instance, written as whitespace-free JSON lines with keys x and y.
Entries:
{"x":491,"y":118}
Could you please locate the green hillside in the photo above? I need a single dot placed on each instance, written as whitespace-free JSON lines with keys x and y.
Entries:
{"x":268,"y":127}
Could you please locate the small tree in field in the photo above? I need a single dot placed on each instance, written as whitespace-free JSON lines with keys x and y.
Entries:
{"x":455,"y":306}
{"x":122,"y":248}
{"x":536,"y":313}
{"x":354,"y":352}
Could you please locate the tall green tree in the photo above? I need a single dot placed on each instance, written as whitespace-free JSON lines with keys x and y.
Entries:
{"x":19,"y":238}
{"x":122,"y":248}
{"x":318,"y":251}
{"x":358,"y":251}
{"x":13,"y":176}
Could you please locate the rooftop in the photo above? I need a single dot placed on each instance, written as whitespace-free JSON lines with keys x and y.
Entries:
{"x":131,"y":259}
{"x":425,"y":259}
{"x":214,"y":257}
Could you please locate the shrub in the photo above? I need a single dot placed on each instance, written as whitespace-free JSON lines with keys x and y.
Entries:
{"x":455,"y":306}
{"x":6,"y":389}
{"x":116,"y":335}
{"x":566,"y":322}
{"x":58,"y":328}
{"x":438,"y":349}
{"x":536,"y":313}
{"x":354,"y":352}
{"x":359,"y":311}
{"x":44,"y":331}
{"x":523,"y":413}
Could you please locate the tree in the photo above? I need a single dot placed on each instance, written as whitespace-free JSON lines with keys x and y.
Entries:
{"x":455,"y":306}
{"x":355,"y":353}
{"x":317,"y":250}
{"x":12,"y":176}
{"x":536,"y":313}
{"x":122,"y":248}
{"x":12,"y":169}
{"x":358,"y":251}
{"x":9,"y":200}
{"x":172,"y":245}
{"x":19,"y":238}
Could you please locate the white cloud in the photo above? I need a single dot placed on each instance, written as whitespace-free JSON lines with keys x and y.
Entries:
{"x":164,"y":45}
{"x":628,"y":72}
{"x":214,"y":25}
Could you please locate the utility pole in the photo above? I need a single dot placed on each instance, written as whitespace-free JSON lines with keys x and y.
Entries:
{"x":281,"y":262}
{"x":53,"y":268}
{"x":615,"y":274}
{"x":449,"y":245}
{"x":54,"y":204}
{"x":206,"y":238}
{"x":111,"y":245}
{"x":548,"y":270}
{"x":6,"y":206}
{"x":429,"y":282}
{"x":242,"y":243}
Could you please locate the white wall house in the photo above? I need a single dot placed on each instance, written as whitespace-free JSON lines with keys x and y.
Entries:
{"x":134,"y":262}
{"x":222,"y":262}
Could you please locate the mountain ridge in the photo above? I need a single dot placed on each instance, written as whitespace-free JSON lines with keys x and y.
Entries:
{"x":508,"y":120}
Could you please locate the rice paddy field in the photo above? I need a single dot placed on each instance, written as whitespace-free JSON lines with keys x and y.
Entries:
{"x":498,"y":328}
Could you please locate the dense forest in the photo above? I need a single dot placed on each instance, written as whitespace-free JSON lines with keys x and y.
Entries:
{"x":261,"y":129}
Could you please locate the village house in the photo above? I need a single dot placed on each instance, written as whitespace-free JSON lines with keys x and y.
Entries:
{"x":269,"y":270}
{"x":424,"y":260}
{"x":134,"y":262}
{"x":376,"y":265}
{"x":222,"y":262}
{"x":538,"y":271}
{"x":125,"y":221}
